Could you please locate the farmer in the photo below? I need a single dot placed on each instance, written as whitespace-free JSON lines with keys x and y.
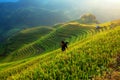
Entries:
{"x":63,"y":45}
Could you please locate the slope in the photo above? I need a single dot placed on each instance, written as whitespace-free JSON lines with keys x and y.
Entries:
{"x":21,"y":15}
{"x":86,"y":59}
{"x":68,"y":32}
{"x":71,"y":32}
{"x":25,"y":37}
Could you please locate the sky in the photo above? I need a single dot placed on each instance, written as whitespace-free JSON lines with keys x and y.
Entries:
{"x":104,"y":3}
{"x":113,"y":4}
{"x":107,"y":3}
{"x":8,"y":0}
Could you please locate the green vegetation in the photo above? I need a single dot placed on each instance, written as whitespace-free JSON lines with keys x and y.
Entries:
{"x":88,"y":59}
{"x":91,"y":54}
{"x":25,"y":37}
{"x":1,"y":49}
{"x":69,"y":32}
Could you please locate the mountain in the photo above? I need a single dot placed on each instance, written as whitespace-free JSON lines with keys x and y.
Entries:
{"x":31,"y":32}
{"x":91,"y":54}
{"x":20,"y":15}
{"x":29,"y":13}
{"x":69,"y":32}
{"x":12,"y":42}
{"x":24,"y":37}
{"x":31,"y":39}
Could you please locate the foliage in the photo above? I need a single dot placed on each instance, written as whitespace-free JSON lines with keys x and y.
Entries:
{"x":84,"y":61}
{"x":68,"y":32}
{"x":89,"y":56}
{"x":26,"y":36}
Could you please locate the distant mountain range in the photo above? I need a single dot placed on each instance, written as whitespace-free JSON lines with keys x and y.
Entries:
{"x":29,"y":13}
{"x":23,"y":14}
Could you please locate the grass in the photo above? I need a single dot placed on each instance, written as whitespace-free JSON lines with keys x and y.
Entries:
{"x":70,"y":32}
{"x":90,"y":55}
{"x":84,"y":60}
{"x":25,"y":37}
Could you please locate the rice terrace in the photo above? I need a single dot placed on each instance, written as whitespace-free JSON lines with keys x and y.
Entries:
{"x":31,"y":48}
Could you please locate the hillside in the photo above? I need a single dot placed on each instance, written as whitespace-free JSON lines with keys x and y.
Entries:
{"x":24,"y":37}
{"x":34,"y":32}
{"x":20,"y":15}
{"x":95,"y":57}
{"x":31,"y":42}
{"x":68,"y":32}
{"x":29,"y":13}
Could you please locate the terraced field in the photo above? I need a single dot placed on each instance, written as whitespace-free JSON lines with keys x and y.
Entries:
{"x":70,"y":32}
{"x":92,"y":54}
{"x":89,"y":58}
{"x":25,"y":37}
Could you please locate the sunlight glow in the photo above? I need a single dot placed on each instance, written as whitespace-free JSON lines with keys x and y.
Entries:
{"x":103,"y":3}
{"x":114,"y":1}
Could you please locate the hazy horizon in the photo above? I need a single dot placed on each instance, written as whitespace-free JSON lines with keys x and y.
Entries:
{"x":104,"y":10}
